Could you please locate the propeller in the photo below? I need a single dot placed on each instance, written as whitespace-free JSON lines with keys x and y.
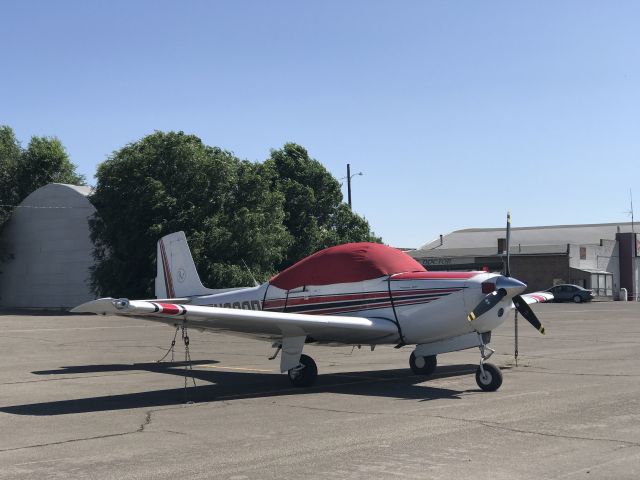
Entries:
{"x":487,"y":304}
{"x":503,"y":284}
{"x":525,"y":310}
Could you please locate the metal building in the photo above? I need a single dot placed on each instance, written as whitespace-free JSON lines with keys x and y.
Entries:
{"x":48,"y":240}
{"x":602,"y":257}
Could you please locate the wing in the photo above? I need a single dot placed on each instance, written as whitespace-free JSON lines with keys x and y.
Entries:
{"x":271,"y":325}
{"x":537,"y":297}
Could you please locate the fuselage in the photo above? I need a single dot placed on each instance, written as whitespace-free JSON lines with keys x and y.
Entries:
{"x":424,"y":306}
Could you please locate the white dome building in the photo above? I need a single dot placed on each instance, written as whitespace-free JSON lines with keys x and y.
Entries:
{"x":48,"y":240}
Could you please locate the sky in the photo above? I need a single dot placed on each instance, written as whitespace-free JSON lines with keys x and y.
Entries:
{"x":454,"y":111}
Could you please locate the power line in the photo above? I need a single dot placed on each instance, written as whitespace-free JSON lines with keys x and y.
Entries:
{"x":33,"y":206}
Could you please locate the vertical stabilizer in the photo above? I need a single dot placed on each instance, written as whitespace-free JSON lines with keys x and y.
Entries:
{"x":176,"y":273}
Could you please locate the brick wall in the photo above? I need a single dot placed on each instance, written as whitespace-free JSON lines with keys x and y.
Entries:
{"x":539,"y":271}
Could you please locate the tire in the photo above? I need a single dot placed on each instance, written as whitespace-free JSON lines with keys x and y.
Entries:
{"x":305,"y":376}
{"x":423,"y":365}
{"x":577,"y":299}
{"x":492,"y":379}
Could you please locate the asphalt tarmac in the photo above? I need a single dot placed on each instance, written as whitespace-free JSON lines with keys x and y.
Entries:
{"x":83,"y":397}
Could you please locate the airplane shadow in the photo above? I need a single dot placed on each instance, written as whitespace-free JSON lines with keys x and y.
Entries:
{"x":228,"y":385}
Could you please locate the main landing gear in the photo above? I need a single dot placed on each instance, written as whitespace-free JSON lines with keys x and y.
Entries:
{"x":305,"y":374}
{"x":488,"y":376}
{"x":305,"y":371}
{"x":422,"y":365}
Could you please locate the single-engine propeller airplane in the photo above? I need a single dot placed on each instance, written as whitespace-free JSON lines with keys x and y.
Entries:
{"x":351,"y":294}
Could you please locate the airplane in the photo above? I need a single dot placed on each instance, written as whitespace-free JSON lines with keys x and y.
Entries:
{"x":351,"y":294}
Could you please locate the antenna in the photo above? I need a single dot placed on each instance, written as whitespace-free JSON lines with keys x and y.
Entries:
{"x":255,"y":282}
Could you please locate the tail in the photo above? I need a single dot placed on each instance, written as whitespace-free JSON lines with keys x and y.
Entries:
{"x":176,"y":273}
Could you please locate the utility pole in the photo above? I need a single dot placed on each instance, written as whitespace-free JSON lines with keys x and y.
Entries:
{"x":515,"y":347}
{"x":633,"y":230}
{"x":635,"y":249}
{"x":349,"y":183}
{"x":349,"y":177}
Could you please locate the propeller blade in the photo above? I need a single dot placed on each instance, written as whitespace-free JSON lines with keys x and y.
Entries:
{"x":527,"y":313}
{"x":487,"y":304}
{"x":507,"y":272}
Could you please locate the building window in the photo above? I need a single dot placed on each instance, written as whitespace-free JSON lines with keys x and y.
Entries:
{"x":583,"y":253}
{"x":602,"y":284}
{"x":502,"y":245}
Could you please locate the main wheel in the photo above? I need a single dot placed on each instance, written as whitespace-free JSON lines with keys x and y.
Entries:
{"x":305,"y":374}
{"x":577,"y":299}
{"x":422,"y":365}
{"x":492,"y":378}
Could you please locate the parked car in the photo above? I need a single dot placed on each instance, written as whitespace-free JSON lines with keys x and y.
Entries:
{"x":571,"y":293}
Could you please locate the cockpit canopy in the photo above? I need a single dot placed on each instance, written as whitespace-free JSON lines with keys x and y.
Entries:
{"x":351,"y":262}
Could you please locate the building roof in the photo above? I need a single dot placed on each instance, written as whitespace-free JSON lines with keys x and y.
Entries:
{"x":58,"y":195}
{"x":489,"y":251}
{"x":351,"y":262}
{"x":546,"y":235}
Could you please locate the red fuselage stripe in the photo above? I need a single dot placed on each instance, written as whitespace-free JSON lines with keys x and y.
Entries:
{"x":170,"y":308}
{"x":353,"y":297}
{"x":345,"y":303}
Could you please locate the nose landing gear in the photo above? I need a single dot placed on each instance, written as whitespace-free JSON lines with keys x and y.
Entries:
{"x":488,"y":376}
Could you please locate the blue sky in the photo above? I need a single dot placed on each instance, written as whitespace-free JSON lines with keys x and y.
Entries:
{"x":454,"y":110}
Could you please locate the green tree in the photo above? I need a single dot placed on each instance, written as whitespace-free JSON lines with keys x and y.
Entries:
{"x":344,"y":226}
{"x":10,"y":153}
{"x":22,"y":171}
{"x":171,"y":181}
{"x":44,"y":161}
{"x":315,"y":215}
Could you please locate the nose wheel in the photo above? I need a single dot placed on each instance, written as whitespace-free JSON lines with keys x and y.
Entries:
{"x":305,"y":374}
{"x":488,"y":376}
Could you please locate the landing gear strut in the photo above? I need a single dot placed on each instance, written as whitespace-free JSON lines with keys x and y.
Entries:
{"x":488,"y":376}
{"x":305,"y":374}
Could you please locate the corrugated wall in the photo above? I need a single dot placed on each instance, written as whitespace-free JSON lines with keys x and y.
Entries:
{"x":48,"y":236}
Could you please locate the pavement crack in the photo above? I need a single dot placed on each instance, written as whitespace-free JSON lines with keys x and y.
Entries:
{"x":58,"y":379}
{"x":63,"y":442}
{"x":332,"y":410}
{"x":147,"y":421}
{"x":30,"y":339}
{"x":544,"y":371}
{"x":483,"y":423}
{"x":502,"y":427}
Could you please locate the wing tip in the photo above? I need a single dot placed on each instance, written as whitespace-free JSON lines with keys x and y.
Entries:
{"x":101,"y":306}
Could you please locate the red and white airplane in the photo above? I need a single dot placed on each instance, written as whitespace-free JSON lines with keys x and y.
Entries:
{"x":352,"y":294}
